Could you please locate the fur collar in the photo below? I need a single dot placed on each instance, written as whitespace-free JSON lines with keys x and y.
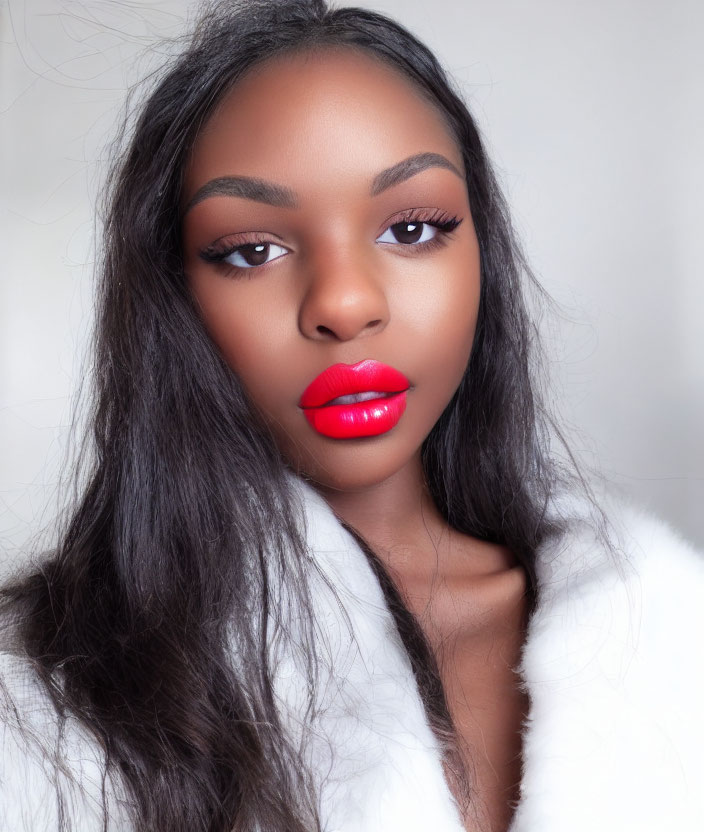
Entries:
{"x":612,"y":663}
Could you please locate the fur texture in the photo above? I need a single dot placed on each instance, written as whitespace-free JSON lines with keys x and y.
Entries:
{"x":612,"y":663}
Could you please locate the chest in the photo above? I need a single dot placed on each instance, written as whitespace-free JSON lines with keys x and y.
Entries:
{"x":476,"y":632}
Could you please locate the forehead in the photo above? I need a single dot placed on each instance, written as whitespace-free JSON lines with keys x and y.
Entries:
{"x":298,"y":118}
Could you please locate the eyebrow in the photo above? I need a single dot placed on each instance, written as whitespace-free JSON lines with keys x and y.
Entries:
{"x":260,"y":190}
{"x":247,"y":188}
{"x":410,"y":167}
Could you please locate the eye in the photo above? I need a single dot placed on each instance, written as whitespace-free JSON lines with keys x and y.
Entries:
{"x":409,"y":233}
{"x":254,"y":254}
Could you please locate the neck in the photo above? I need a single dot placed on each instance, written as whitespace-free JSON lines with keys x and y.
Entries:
{"x":398,"y":510}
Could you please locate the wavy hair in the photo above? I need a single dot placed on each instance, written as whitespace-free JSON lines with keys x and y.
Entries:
{"x":186,"y":527}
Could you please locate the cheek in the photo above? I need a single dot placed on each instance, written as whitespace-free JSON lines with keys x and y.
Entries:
{"x":248,"y":331}
{"x":443,"y":318}
{"x":460,"y":322}
{"x":448,"y":354}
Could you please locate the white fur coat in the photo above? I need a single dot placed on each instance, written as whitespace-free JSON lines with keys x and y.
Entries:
{"x":613,"y":663}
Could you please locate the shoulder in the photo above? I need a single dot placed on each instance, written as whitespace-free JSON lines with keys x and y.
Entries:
{"x":625,"y":567}
{"x":619,"y":578}
{"x":51,"y":770}
{"x":612,"y":662}
{"x":665,"y":593}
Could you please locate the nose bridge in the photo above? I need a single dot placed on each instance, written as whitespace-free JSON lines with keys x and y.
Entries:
{"x":344,"y":295}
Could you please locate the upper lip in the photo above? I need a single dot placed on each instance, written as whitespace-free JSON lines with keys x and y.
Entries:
{"x":347,"y":379}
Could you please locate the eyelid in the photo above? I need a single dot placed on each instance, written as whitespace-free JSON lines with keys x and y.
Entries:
{"x":428,"y":215}
{"x":216,"y":251}
{"x":223,"y":247}
{"x":427,"y":229}
{"x":443,"y":222}
{"x":237,"y":250}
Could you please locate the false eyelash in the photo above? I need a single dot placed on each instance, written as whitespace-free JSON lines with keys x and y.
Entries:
{"x":216,"y":254}
{"x":438,"y":219}
{"x":443,"y":222}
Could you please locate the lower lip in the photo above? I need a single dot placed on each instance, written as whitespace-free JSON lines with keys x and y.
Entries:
{"x":355,"y":421}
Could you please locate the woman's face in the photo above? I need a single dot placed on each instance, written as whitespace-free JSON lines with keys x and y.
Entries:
{"x":327,"y":223}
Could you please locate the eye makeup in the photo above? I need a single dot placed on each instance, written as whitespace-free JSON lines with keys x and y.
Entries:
{"x":409,"y":230}
{"x":442,"y":223}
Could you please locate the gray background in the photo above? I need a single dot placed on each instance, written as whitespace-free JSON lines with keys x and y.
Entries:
{"x":593,"y":114}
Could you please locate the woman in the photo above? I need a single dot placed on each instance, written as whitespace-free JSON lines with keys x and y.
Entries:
{"x":326,"y":573}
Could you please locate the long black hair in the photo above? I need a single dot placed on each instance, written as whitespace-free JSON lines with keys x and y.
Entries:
{"x":186,"y":527}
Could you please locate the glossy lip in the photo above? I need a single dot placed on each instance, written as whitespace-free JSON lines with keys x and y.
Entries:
{"x":346,"y":379}
{"x":353,"y":421}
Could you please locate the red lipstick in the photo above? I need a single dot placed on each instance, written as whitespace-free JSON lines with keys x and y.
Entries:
{"x":374,"y":400}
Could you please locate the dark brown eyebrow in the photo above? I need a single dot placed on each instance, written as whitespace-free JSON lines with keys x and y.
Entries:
{"x":247,"y":188}
{"x":281,"y":197}
{"x":410,"y":167}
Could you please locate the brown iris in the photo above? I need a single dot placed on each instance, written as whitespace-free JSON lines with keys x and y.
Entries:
{"x":254,"y":254}
{"x":407,"y":232}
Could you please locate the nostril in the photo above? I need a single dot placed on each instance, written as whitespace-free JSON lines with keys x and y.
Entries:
{"x":348,"y":330}
{"x":325,"y":330}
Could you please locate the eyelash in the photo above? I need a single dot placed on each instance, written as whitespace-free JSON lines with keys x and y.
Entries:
{"x":440,"y":220}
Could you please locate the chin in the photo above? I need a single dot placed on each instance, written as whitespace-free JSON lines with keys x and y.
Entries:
{"x":351,"y":465}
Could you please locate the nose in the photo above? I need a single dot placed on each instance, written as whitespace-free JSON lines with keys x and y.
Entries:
{"x":343,"y":300}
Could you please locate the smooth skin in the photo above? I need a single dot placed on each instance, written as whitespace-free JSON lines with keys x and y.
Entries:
{"x":311,"y":207}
